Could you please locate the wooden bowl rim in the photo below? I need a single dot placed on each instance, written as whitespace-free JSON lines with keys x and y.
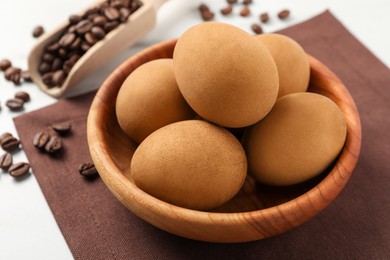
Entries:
{"x":124,"y":188}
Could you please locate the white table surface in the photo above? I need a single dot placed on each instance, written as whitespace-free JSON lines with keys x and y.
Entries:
{"x":28,"y":229}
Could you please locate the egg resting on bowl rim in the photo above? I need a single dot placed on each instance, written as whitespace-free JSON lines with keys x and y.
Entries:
{"x":192,"y":164}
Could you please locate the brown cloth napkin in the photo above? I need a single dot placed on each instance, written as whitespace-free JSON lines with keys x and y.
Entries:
{"x":355,"y":226}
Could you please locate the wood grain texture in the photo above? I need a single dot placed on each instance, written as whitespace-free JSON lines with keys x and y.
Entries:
{"x":257,"y":211}
{"x":138,"y":24}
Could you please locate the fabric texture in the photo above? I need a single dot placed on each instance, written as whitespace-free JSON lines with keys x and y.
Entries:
{"x":355,"y":226}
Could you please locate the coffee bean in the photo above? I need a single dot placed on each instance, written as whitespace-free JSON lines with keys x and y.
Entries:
{"x":111,"y":26}
{"x":9,"y":143}
{"x":5,"y":161}
{"x":62,"y":128}
{"x":11,"y":71}
{"x":73,"y":19}
{"x":97,"y":32}
{"x":227,"y":10}
{"x":203,"y":8}
{"x":15,"y":104}
{"x":99,"y":20}
{"x":25,"y":74}
{"x":57,"y":64}
{"x":15,"y":78}
{"x":284,"y":14}
{"x":85,"y":46}
{"x":90,"y":11}
{"x":87,"y":170}
{"x":48,"y":57}
{"x":67,"y":39}
{"x":59,"y":78}
{"x":53,"y":47}
{"x":38,"y":31}
{"x":111,"y":13}
{"x":23,"y":96}
{"x":90,"y":38}
{"x":44,"y":67}
{"x":40,"y":139}
{"x":245,"y":11}
{"x":19,"y":169}
{"x":62,"y":53}
{"x":117,"y":4}
{"x":4,"y":135}
{"x":47,"y":78}
{"x":232,"y":1}
{"x":256,"y":29}
{"x":76,"y":44}
{"x":83,"y":27}
{"x":124,"y":14}
{"x":135,"y":5}
{"x":5,"y":64}
{"x":246,"y":2}
{"x":207,"y":15}
{"x":264,"y":17}
{"x":53,"y":145}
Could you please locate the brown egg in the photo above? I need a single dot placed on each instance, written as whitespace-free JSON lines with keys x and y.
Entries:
{"x":149,"y":99}
{"x":192,"y":164}
{"x":225,"y":75}
{"x":291,"y":61}
{"x":297,"y":140}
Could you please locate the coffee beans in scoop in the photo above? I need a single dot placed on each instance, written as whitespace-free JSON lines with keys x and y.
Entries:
{"x":82,"y":32}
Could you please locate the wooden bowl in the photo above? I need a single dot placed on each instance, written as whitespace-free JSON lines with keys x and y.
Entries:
{"x":257,"y":211}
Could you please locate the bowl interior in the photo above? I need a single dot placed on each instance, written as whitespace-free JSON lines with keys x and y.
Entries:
{"x":112,"y":150}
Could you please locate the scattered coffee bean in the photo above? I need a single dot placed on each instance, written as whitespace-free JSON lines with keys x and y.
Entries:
{"x":246,"y":2}
{"x":40,"y":140}
{"x":8,"y":74}
{"x":284,"y":14}
{"x":5,"y":161}
{"x":227,"y":10}
{"x":203,"y":8}
{"x":25,"y":74}
{"x":15,"y":78}
{"x":19,"y":169}
{"x":9,"y":143}
{"x":53,"y":145}
{"x":38,"y":31}
{"x":23,"y":96}
{"x":207,"y":16}
{"x":87,"y":170}
{"x":62,"y":128}
{"x":256,"y":29}
{"x":264,"y":17}
{"x":4,"y":135}
{"x":245,"y":11}
{"x":5,"y":64}
{"x":231,"y":2}
{"x":15,"y":104}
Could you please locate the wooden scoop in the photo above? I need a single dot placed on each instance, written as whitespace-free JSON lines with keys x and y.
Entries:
{"x":139,"y":23}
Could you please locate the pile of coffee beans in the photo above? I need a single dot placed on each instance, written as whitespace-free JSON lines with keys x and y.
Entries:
{"x":79,"y":36}
{"x":207,"y":14}
{"x":10,"y":144}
